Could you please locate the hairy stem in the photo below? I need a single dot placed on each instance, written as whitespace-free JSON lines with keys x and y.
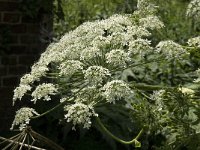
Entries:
{"x":116,"y":138}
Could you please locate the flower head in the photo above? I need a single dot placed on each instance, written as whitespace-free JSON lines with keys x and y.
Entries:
{"x":194,"y":42}
{"x":90,"y":53}
{"x":116,"y":90}
{"x":171,"y":49}
{"x":193,"y":9}
{"x":79,"y":113}
{"x":117,"y":57}
{"x":151,"y":22}
{"x":96,"y":74}
{"x":43,"y":91}
{"x":20,"y":91}
{"x":22,"y":117}
{"x":139,"y":46}
{"x":69,"y":67}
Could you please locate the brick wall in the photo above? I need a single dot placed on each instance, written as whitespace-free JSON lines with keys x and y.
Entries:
{"x":20,"y":46}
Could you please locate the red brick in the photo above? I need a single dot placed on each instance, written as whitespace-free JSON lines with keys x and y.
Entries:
{"x":3,"y":70}
{"x":26,"y":59}
{"x":11,"y":17}
{"x":10,"y":81}
{"x":29,"y":39}
{"x":14,"y":39}
{"x":1,"y":17}
{"x":33,"y":28}
{"x":16,"y":70}
{"x":27,"y":19}
{"x":6,"y":92}
{"x":20,"y":28}
{"x":9,"y":60}
{"x":18,"y":49}
{"x":9,"y":6}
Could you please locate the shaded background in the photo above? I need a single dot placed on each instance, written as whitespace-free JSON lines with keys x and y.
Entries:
{"x":21,"y":26}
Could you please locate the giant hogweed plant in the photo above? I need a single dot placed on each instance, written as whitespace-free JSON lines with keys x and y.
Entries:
{"x":85,"y":70}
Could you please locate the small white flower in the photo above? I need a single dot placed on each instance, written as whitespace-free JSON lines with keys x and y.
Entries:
{"x":138,"y":31}
{"x":193,"y":9}
{"x":194,"y":42}
{"x":27,"y":79}
{"x":43,"y":91}
{"x":63,"y":99}
{"x":117,"y":57}
{"x":22,"y":117}
{"x":88,"y":92}
{"x":116,"y":90}
{"x":96,"y":74}
{"x":171,"y":49}
{"x":158,"y":97}
{"x":20,"y":91}
{"x":70,"y":67}
{"x":151,"y":22}
{"x":80,"y":113}
{"x":90,"y":53}
{"x":198,"y":74}
{"x":187,"y":91}
{"x":38,"y":70}
{"x":145,"y":7}
{"x":140,"y":46}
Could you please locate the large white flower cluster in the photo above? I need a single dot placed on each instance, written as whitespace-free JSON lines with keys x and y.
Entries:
{"x":22,"y":117}
{"x":198,"y":74}
{"x":116,"y":90}
{"x":194,"y":42}
{"x":193,"y":9}
{"x":86,"y":64}
{"x":79,"y":113}
{"x":70,"y":67}
{"x":171,"y":49}
{"x":117,"y":57}
{"x":96,"y":74}
{"x":43,"y":91}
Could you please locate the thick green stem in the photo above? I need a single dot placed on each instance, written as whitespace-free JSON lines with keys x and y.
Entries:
{"x":116,"y":138}
{"x":148,"y":87}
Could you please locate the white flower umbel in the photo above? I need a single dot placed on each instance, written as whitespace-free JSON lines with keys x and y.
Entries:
{"x":39,"y":70}
{"x":69,"y":67}
{"x":145,"y":7}
{"x":193,"y":9}
{"x":171,"y":49}
{"x":194,"y":42}
{"x":96,"y":74}
{"x":27,"y":79}
{"x":158,"y":97}
{"x":117,"y":57}
{"x":116,"y":90}
{"x":198,"y":74}
{"x":20,"y":91}
{"x":90,"y":53}
{"x":22,"y":117}
{"x":43,"y":91}
{"x":187,"y":91}
{"x":79,"y":114}
{"x":137,"y":31}
{"x":87,"y":93}
{"x":140,"y":46}
{"x":151,"y":22}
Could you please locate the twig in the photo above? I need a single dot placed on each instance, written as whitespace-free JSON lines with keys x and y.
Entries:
{"x":19,"y":143}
